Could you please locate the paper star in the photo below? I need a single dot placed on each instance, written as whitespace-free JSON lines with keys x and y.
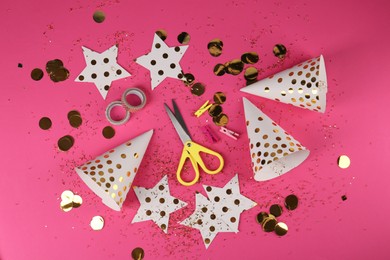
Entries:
{"x":221,"y":212}
{"x":102,"y":69}
{"x":162,"y":61}
{"x":157,"y":204}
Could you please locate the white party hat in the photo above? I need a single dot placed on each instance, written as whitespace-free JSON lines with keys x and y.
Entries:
{"x":303,"y":85}
{"x":273,"y":151}
{"x":111,"y":174}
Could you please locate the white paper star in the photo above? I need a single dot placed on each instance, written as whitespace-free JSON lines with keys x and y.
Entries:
{"x":157,"y":204}
{"x":221,"y":212}
{"x":162,"y":61}
{"x":102,"y":69}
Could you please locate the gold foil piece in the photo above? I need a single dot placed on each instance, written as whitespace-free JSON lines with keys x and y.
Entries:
{"x":281,"y":229}
{"x":108,"y":132}
{"x":234,"y":67}
{"x":280,"y":51}
{"x":251,"y":74}
{"x":97,"y":223}
{"x":183,"y":38}
{"x":138,"y":253}
{"x":219,"y":69}
{"x":343,"y":161}
{"x":75,"y":121}
{"x":99,"y":16}
{"x":197,"y":89}
{"x":269,"y":224}
{"x":219,"y":98}
{"x":291,"y":202}
{"x":276,"y":210}
{"x":45,"y":123}
{"x":65,"y":143}
{"x":215,"y":110}
{"x":250,"y":57}
{"x":36,"y":74}
{"x":162,"y":34}
{"x":221,"y":120}
{"x":215,"y":47}
{"x":188,"y":79}
{"x":260,"y":218}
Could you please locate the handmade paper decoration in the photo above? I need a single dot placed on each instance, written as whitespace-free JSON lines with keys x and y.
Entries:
{"x":157,"y":204}
{"x":111,"y":174}
{"x":303,"y":85}
{"x":220,"y":212}
{"x":102,"y":69}
{"x":273,"y":151}
{"x":163,"y":61}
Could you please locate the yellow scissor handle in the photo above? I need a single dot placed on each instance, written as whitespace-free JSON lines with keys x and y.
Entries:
{"x":192,"y":151}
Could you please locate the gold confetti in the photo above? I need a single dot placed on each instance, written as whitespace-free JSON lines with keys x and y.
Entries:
{"x":234,"y":67}
{"x":56,"y":70}
{"x":183,"y":38}
{"x":36,"y":74}
{"x":280,"y":51}
{"x":219,"y":98}
{"x":97,"y":223}
{"x":276,"y":210}
{"x":215,"y":47}
{"x":75,"y":121}
{"x":269,"y":224}
{"x":99,"y":16}
{"x":72,"y":113}
{"x":221,"y":120}
{"x":45,"y":123}
{"x":138,"y":253}
{"x":250,"y":57}
{"x":251,"y":73}
{"x":65,"y":143}
{"x":162,"y":34}
{"x":197,"y":89}
{"x":66,"y":206}
{"x":219,"y":69}
{"x":67,"y":195}
{"x":261,"y":217}
{"x":343,"y":161}
{"x":215,"y":110}
{"x":77,"y":201}
{"x":281,"y":229}
{"x":291,"y":202}
{"x":108,"y":132}
{"x":189,"y":79}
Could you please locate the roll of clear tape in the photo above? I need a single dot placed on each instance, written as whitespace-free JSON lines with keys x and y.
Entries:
{"x":108,"y":113}
{"x":134,"y":91}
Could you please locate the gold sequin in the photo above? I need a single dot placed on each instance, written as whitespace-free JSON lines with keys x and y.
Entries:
{"x":343,"y":161}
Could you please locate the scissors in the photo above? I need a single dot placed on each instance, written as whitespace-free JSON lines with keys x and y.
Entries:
{"x":191,"y":150}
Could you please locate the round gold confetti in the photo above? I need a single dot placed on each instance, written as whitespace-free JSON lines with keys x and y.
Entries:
{"x":72,"y":113}
{"x":261,"y":217}
{"x":291,"y":202}
{"x":344,"y":197}
{"x":280,"y":51}
{"x":281,"y":229}
{"x":66,"y":206}
{"x":215,"y":47}
{"x":59,"y":74}
{"x":36,"y":74}
{"x":75,"y":121}
{"x":215,"y":110}
{"x":234,"y":67}
{"x":45,"y":123}
{"x":188,"y":79}
{"x":221,"y":120}
{"x":343,"y":161}
{"x":138,"y":253}
{"x":162,"y":34}
{"x":108,"y":132}
{"x":97,"y":223}
{"x":99,"y":16}
{"x":276,"y":210}
{"x":67,"y":196}
{"x":65,"y":143}
{"x":250,"y":57}
{"x":197,"y":89}
{"x":219,"y":98}
{"x":77,"y":201}
{"x":219,"y":69}
{"x":52,"y":65}
{"x":251,"y":73}
{"x":269,"y":224}
{"x":183,"y":38}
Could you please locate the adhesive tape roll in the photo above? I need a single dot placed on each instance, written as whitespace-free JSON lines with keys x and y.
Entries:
{"x":139,"y":93}
{"x":108,"y":113}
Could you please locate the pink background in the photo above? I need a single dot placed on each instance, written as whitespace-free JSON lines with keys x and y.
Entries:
{"x":353,"y":36}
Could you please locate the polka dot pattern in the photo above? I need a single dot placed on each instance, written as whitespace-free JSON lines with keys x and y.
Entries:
{"x":304,"y":85}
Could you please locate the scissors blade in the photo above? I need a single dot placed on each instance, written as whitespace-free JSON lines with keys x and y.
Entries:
{"x":179,"y":117}
{"x":184,"y":137}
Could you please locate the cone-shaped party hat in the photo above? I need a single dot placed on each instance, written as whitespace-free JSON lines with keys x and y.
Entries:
{"x":111,"y":174}
{"x":273,"y":151}
{"x":303,"y":85}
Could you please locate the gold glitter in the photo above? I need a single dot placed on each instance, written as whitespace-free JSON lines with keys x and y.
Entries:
{"x":280,"y":51}
{"x":281,"y":229}
{"x":36,"y":74}
{"x":215,"y":47}
{"x":250,"y":57}
{"x":219,"y":98}
{"x":65,"y":143}
{"x":197,"y":89}
{"x":343,"y":161}
{"x":183,"y":38}
{"x":138,"y":253}
{"x":276,"y":210}
{"x":221,"y":120}
{"x":219,"y":69}
{"x":108,"y":132}
{"x":234,"y":67}
{"x":99,"y":16}
{"x":215,"y":110}
{"x":162,"y":34}
{"x":97,"y":223}
{"x":45,"y":123}
{"x":291,"y":202}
